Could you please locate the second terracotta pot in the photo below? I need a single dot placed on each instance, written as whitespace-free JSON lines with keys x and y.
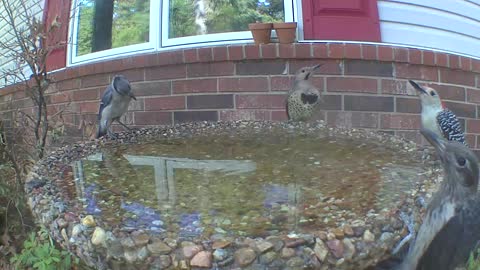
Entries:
{"x":286,"y":32}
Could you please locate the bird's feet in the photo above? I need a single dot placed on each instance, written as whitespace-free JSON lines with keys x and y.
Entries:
{"x":409,"y":221}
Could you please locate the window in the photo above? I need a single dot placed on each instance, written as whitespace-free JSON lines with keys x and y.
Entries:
{"x":105,"y":28}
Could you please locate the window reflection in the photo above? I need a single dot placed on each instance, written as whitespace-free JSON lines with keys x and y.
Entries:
{"x":107,"y":24}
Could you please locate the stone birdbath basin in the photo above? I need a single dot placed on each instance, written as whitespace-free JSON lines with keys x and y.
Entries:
{"x":231,"y":195}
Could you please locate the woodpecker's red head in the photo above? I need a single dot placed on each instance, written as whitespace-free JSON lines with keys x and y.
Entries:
{"x":428,"y":96}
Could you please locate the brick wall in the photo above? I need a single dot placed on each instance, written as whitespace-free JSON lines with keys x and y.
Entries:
{"x":365,"y":86}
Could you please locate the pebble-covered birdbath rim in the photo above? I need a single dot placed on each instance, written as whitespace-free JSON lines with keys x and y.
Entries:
{"x":356,"y":245}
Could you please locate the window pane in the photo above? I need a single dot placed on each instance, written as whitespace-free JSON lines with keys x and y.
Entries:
{"x":107,"y":24}
{"x":199,"y":17}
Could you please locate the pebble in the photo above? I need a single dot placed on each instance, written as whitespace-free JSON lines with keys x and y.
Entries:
{"x":295,"y":263}
{"x":349,"y":249}
{"x":221,"y":244}
{"x":348,"y":230}
{"x":140,"y":239}
{"x":368,"y":236}
{"x":89,"y":221}
{"x":127,"y":242}
{"x":158,"y":247}
{"x":62,"y":223}
{"x":263,"y":246}
{"x":244,"y":256}
{"x":336,"y":247}
{"x":268,"y":257}
{"x":98,"y":236}
{"x":288,"y":252}
{"x":339,"y":234}
{"x":219,"y":254}
{"x":202,"y":259}
{"x":320,"y":250}
{"x":76,"y":230}
{"x":190,"y":251}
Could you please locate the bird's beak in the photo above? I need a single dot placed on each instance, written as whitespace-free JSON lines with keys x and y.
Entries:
{"x":436,"y":141}
{"x":317,"y":66}
{"x":417,"y":87}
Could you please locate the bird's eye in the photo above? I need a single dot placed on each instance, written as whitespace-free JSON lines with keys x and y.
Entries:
{"x":461,"y":161}
{"x":303,"y":70}
{"x":432,"y":93}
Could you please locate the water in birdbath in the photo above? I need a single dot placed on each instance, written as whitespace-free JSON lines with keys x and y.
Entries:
{"x":255,"y":185}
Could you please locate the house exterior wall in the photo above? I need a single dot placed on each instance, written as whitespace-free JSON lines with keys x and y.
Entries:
{"x":449,"y":25}
{"x":364,"y":86}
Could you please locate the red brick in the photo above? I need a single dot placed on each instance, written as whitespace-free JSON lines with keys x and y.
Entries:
{"x":352,"y":119}
{"x":473,"y":126}
{"x":210,"y":101}
{"x":194,"y":86}
{"x":205,"y":54}
{"x":19,"y":94}
{"x":331,"y":102}
{"x":353,"y":51}
{"x":269,"y":50}
{"x":441,"y":59}
{"x":385,"y":53}
{"x":418,"y":72}
{"x":368,"y":103}
{"x":473,"y":95}
{"x":68,"y":84}
{"x":407,"y":105}
{"x":400,"y":121}
{"x":346,"y":84}
{"x":220,"y":53}
{"x":260,"y":101}
{"x":210,"y":69}
{"x":60,"y":98}
{"x":235,"y":52}
{"x":117,"y":64}
{"x":476,"y":65}
{"x":71,"y":72}
{"x":320,"y":50}
{"x":260,"y":68}
{"x":401,"y":55}
{"x":303,"y":50}
{"x":466,"y":63}
{"x":281,"y":83}
{"x":471,"y":138}
{"x":195,"y":116}
{"x":457,"y":77}
{"x":415,"y":56}
{"x":330,"y":67}
{"x":243,"y":84}
{"x":138,"y":61}
{"x":369,"y":52}
{"x":170,"y":57}
{"x":190,"y":55}
{"x":155,"y":88}
{"x":90,"y":94}
{"x":454,"y":61}
{"x":165,"y":103}
{"x":462,"y":109}
{"x":95,"y":80}
{"x":89,"y":107}
{"x":449,"y":92}
{"x":279,"y":115}
{"x":252,"y":52}
{"x":336,"y":50}
{"x":133,"y":75}
{"x":152,"y":118}
{"x":165,"y":72}
{"x":368,"y":68}
{"x":245,"y":115}
{"x":428,"y":58}
{"x":286,"y":50}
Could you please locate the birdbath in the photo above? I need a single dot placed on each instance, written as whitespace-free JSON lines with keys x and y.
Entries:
{"x":233,"y":194}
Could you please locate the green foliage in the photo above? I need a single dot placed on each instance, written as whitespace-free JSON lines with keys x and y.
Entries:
{"x":40,"y":253}
{"x":473,"y":262}
{"x":182,"y":21}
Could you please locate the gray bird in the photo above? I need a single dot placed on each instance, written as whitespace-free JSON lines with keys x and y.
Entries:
{"x":114,"y":104}
{"x":450,"y":230}
{"x":303,"y":98}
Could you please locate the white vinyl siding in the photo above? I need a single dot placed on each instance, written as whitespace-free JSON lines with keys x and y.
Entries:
{"x":448,"y":25}
{"x":6,"y":33}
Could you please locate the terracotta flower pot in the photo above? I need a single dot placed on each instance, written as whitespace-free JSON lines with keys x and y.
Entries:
{"x":286,"y":32}
{"x":261,"y":32}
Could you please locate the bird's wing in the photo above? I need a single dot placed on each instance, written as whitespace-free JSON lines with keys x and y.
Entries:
{"x":450,"y":126}
{"x":452,"y":245}
{"x":434,"y":222}
{"x":106,"y":100}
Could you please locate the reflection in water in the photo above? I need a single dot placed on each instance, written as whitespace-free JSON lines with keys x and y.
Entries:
{"x":248,"y":185}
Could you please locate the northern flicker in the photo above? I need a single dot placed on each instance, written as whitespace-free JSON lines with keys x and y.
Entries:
{"x":304,"y":97}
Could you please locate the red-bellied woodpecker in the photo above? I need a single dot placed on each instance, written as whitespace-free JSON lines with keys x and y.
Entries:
{"x":304,"y":97}
{"x":436,"y":117}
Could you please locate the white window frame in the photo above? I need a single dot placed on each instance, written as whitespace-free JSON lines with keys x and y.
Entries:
{"x":158,"y":31}
{"x":152,"y":45}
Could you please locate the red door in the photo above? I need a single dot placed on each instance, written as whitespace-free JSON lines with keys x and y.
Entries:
{"x":341,"y":20}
